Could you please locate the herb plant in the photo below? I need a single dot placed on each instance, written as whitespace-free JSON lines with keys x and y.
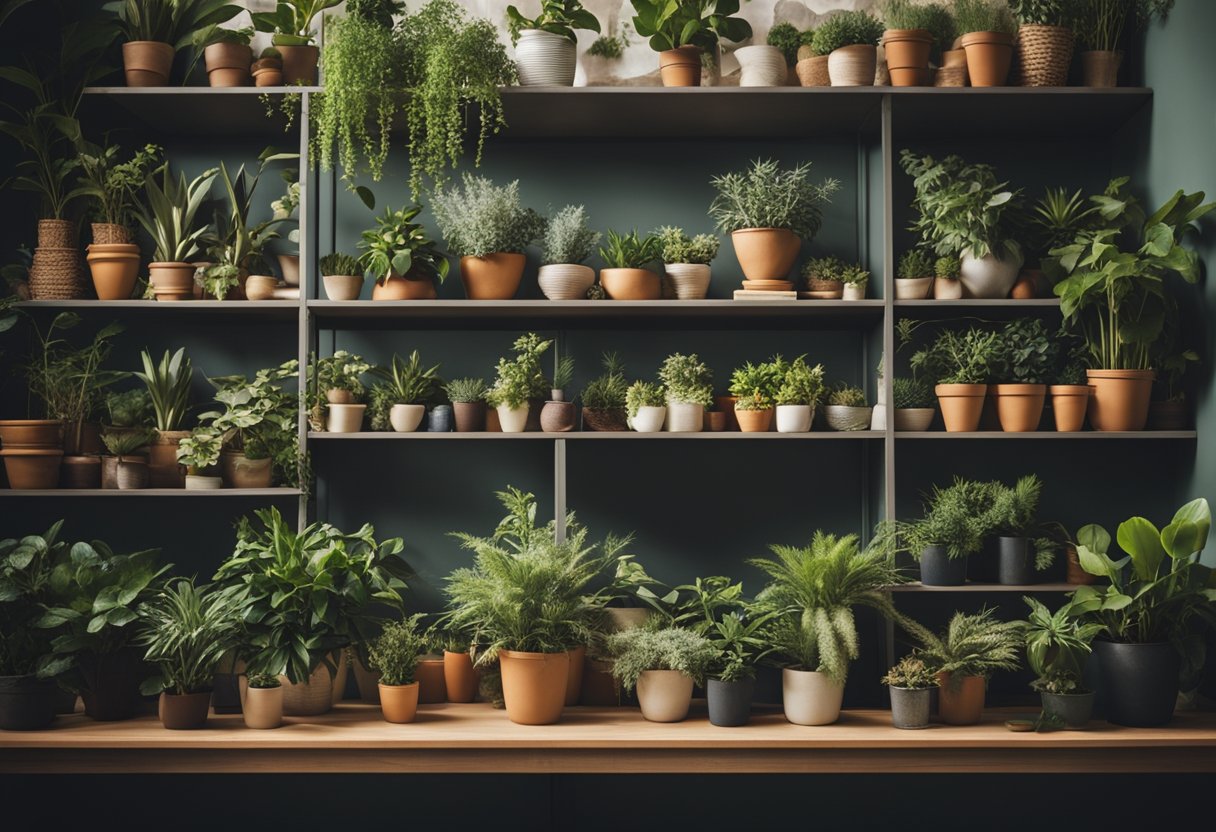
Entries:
{"x":340,"y":264}
{"x":568,"y":237}
{"x":768,"y":196}
{"x":974,"y":645}
{"x":1012,"y":512}
{"x":639,"y":650}
{"x":740,"y":643}
{"x":630,"y":251}
{"x":955,"y":518}
{"x":984,"y":16}
{"x":823,"y":268}
{"x":786,"y":37}
{"x":911,"y":393}
{"x":686,"y":380}
{"x":915,"y":263}
{"x":911,"y":674}
{"x":394,"y":653}
{"x":1100,"y":23}
{"x":800,"y":384}
{"x":906,"y":14}
{"x":678,"y":247}
{"x":1044,"y":12}
{"x":846,"y":395}
{"x":846,"y":28}
{"x":466,"y":390}
{"x":957,"y":357}
{"x":609,"y":390}
{"x":112,"y":184}
{"x":1025,"y":353}
{"x":756,"y":385}
{"x":479,"y":218}
{"x":520,"y":379}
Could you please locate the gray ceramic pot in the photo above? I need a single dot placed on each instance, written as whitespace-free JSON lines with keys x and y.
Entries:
{"x":1017,"y":562}
{"x":910,"y":707}
{"x":1073,"y":709}
{"x":439,"y":420}
{"x":1139,"y":682}
{"x":27,"y":703}
{"x":938,"y":569}
{"x":730,"y":703}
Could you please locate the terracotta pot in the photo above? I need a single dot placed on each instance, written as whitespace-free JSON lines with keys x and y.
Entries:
{"x":1020,"y":406}
{"x":914,"y":418}
{"x":648,"y":419}
{"x":989,"y":57}
{"x":913,"y":288}
{"x":147,"y":63}
{"x":492,"y":423}
{"x":1069,"y":404}
{"x":664,"y":695}
{"x":239,"y":471}
{"x":960,"y":702}
{"x":604,"y":420}
{"x":809,"y":697}
{"x":470,"y":416}
{"x":228,"y":64}
{"x":109,"y":233}
{"x":493,"y":277}
{"x":459,"y":676}
{"x":337,"y":395}
{"x":565,"y":281}
{"x":347,"y":418}
{"x":1171,"y":415}
{"x":114,"y":268}
{"x":263,"y":707}
{"x":534,"y":686}
{"x":32,"y":468}
{"x":766,"y":253}
{"x":691,"y":280}
{"x":312,"y":697}
{"x":432,"y":681}
{"x":853,"y":66}
{"x":631,"y":284}
{"x":184,"y":712}
{"x":557,"y":417}
{"x":685,"y":417}
{"x":1043,"y":55}
{"x":1024,"y":288}
{"x":399,"y":703}
{"x":907,"y":52}
{"x":268,"y":72}
{"x":405,"y":418}
{"x":1120,"y":399}
{"x":961,"y":405}
{"x":31,"y":433}
{"x":260,"y":287}
{"x":164,"y":471}
{"x":813,"y":71}
{"x":680,"y":67}
{"x":726,"y":404}
{"x":574,"y":674}
{"x":946,"y":288}
{"x":404,"y":288}
{"x":1100,"y":69}
{"x":512,"y":419}
{"x":1075,"y":574}
{"x":80,"y":472}
{"x":347,"y":286}
{"x":715,"y":421}
{"x":754,"y":421}
{"x":299,"y":64}
{"x":172,"y":281}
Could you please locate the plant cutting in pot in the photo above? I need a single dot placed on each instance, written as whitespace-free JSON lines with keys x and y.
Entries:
{"x":687,"y":33}
{"x":132,"y":471}
{"x":846,"y":409}
{"x":155,"y":30}
{"x":259,"y":424}
{"x":518,"y":382}
{"x":557,"y":415}
{"x":688,"y":384}
{"x":959,"y":365}
{"x":855,"y":279}
{"x":604,"y":398}
{"x":342,"y":276}
{"x":468,"y":397}
{"x":908,"y":41}
{"x":290,"y":25}
{"x":913,"y":402}
{"x":112,"y":185}
{"x":946,"y":282}
{"x":200,"y":453}
{"x":1070,"y":393}
{"x":914,"y":275}
{"x":769,"y":213}
{"x":168,"y":384}
{"x":1057,"y":645}
{"x":1100,"y":25}
{"x":546,"y":46}
{"x":663,"y":665}
{"x":1149,"y":645}
{"x":965,"y":656}
{"x":798,"y":393}
{"x":686,"y":260}
{"x":646,"y":404}
{"x":986,"y":29}
{"x":1022,"y":365}
{"x":395,"y":655}
{"x":403,"y":260}
{"x":1025,"y":546}
{"x":567,"y":244}
{"x":911,"y":684}
{"x":754,"y":386}
{"x":168,"y":216}
{"x":953,"y":528}
{"x":336,"y":390}
{"x":850,"y":40}
{"x":1044,"y":41}
{"x":625,"y":275}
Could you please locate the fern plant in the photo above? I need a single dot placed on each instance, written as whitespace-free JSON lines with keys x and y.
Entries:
{"x":974,"y":645}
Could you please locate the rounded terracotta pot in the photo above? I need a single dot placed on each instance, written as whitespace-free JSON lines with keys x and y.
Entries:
{"x":172,"y":281}
{"x":766,"y":253}
{"x":268,"y":73}
{"x":263,"y":707}
{"x":557,"y":417}
{"x":631,"y":284}
{"x":260,"y":287}
{"x":80,"y":472}
{"x":989,"y":57}
{"x":299,"y":64}
{"x":960,"y":702}
{"x":32,"y":468}
{"x":184,"y":712}
{"x":432,"y":682}
{"x":853,"y":66}
{"x":1025,"y":288}
{"x":31,"y":433}
{"x":493,"y":277}
{"x":1100,"y":69}
{"x":147,"y":63}
{"x":715,"y":421}
{"x":397,"y":287}
{"x":239,"y":471}
{"x":114,"y":267}
{"x":907,"y":52}
{"x":459,"y":676}
{"x":399,"y":703}
{"x":574,"y":674}
{"x":163,"y":468}
{"x":348,"y":286}
{"x":961,"y":405}
{"x":470,"y":416}
{"x":680,"y":67}
{"x":1120,"y":399}
{"x":1020,"y":406}
{"x":228,"y":64}
{"x":813,"y":71}
{"x":1069,"y":404}
{"x":754,"y":421}
{"x":664,"y":695}
{"x":534,"y":686}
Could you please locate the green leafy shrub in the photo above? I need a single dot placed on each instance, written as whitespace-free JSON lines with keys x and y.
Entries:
{"x":800,"y":384}
{"x":983,"y":16}
{"x":853,"y":274}
{"x":847,"y":28}
{"x":823,"y":268}
{"x":1012,"y":513}
{"x":756,"y":385}
{"x":520,"y":379}
{"x":670,"y":24}
{"x":939,"y":21}
{"x":341,"y":371}
{"x":200,"y":451}
{"x":129,"y":408}
{"x":678,"y":247}
{"x":946,"y":268}
{"x":113,"y":185}
{"x":1026,"y":353}
{"x":961,"y":207}
{"x":186,"y":630}
{"x":396,"y":650}
{"x":915,"y":263}
{"x":643,"y":394}
{"x":911,"y":393}
{"x":399,"y":246}
{"x":686,"y":380}
{"x":906,"y":14}
{"x":768,"y":196}
{"x":609,"y":390}
{"x":630,"y":251}
{"x":974,"y":645}
{"x":568,"y":237}
{"x":639,"y":650}
{"x":259,"y":418}
{"x":786,"y":37}
{"x":1057,"y":645}
{"x":406,"y":382}
{"x":955,"y":517}
{"x":479,"y":218}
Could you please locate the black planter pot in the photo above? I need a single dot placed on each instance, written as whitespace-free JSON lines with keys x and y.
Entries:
{"x":226,"y":694}
{"x":730,"y":703}
{"x":1016,"y":562}
{"x":111,"y":690}
{"x":938,"y":569}
{"x":27,"y":703}
{"x":1139,"y":682}
{"x":982,"y":566}
{"x":910,"y":707}
{"x":1073,"y":709}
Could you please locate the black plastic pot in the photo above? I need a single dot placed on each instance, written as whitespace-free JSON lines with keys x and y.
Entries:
{"x":1073,"y":709}
{"x":111,"y":689}
{"x":1139,"y":682}
{"x":27,"y":703}
{"x":1016,"y":562}
{"x":910,"y":707}
{"x":730,"y":703}
{"x":938,"y":569}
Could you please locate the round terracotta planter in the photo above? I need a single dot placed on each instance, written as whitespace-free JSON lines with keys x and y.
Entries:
{"x":403,"y":288}
{"x":907,"y":52}
{"x":31,"y":433}
{"x":470,"y":416}
{"x":960,"y":702}
{"x":493,"y":277}
{"x":680,"y":67}
{"x":989,"y":57}
{"x":631,"y":284}
{"x":432,"y":681}
{"x":299,"y":64}
{"x":557,"y":417}
{"x":348,"y":286}
{"x":268,"y":73}
{"x":1044,"y":53}
{"x":715,"y":421}
{"x":961,"y":405}
{"x":813,"y":71}
{"x":664,"y":695}
{"x":114,"y":267}
{"x":1020,"y":406}
{"x":534,"y":686}
{"x":228,"y":64}
{"x":239,"y":471}
{"x":574,"y":674}
{"x":184,"y":712}
{"x":263,"y":707}
{"x":80,"y":472}
{"x":853,"y":66}
{"x":691,"y":280}
{"x":754,"y":421}
{"x":459,"y":676}
{"x":147,"y":63}
{"x":1100,"y":69}
{"x":163,"y":468}
{"x":1069,"y":404}
{"x":1120,"y":399}
{"x":766,"y":253}
{"x":32,"y":468}
{"x":172,"y":281}
{"x":399,"y":703}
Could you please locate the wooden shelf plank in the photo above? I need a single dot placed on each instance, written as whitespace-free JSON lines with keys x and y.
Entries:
{"x":136,"y":493}
{"x":1024,"y":589}
{"x":1049,"y":435}
{"x":283,"y":310}
{"x":595,"y":436}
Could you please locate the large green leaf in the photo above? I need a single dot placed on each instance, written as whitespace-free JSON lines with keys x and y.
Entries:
{"x":1142,"y":541}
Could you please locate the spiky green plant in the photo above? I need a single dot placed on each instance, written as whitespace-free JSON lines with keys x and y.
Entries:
{"x":466,"y":390}
{"x":974,"y":645}
{"x":1057,"y":644}
{"x":187,"y":629}
{"x":169,"y":387}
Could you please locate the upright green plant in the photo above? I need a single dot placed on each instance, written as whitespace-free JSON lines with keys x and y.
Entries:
{"x":956,"y":518}
{"x":291,"y":21}
{"x":800,"y":384}
{"x":568,"y":238}
{"x":409,"y":382}
{"x":466,"y":390}
{"x":1100,"y":23}
{"x":961,"y":207}
{"x":957,"y":357}
{"x":678,"y":247}
{"x":186,"y":630}
{"x":113,"y":185}
{"x":671,"y":24}
{"x":1057,"y":644}
{"x":168,"y":384}
{"x":984,"y":16}
{"x":520,"y":379}
{"x":630,"y":251}
{"x":169,"y":215}
{"x":608,"y":391}
{"x":767,"y":196}
{"x":756,"y":385}
{"x":236,"y":244}
{"x":974,"y":645}
{"x":739,"y":639}
{"x":259,"y":418}
{"x":399,"y":246}
{"x":643,"y":394}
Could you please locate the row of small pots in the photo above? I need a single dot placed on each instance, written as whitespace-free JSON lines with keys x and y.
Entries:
{"x":149,"y":63}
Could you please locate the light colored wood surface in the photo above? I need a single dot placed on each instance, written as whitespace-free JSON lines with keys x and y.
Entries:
{"x":476,"y":738}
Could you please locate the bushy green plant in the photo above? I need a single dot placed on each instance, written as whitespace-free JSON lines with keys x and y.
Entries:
{"x":974,"y":645}
{"x":408,"y":382}
{"x":479,"y":218}
{"x":854,"y":275}
{"x":218,"y":280}
{"x":956,"y":518}
{"x":1100,"y":23}
{"x":558,"y":17}
{"x":1055,"y":220}
{"x":1057,"y":644}
{"x":846,"y":395}
{"x":739,"y":640}
{"x":911,"y":673}
{"x":678,"y":247}
{"x":961,"y":207}
{"x":800,"y":384}
{"x":846,"y":28}
{"x":466,"y":390}
{"x":186,"y":630}
{"x":396,"y":650}
{"x":568,"y":237}
{"x":915,"y":263}
{"x":200,"y":450}
{"x":638,"y":650}
{"x":643,"y":394}
{"x":129,"y":408}
{"x":1045,"y":12}
{"x":670,"y":24}
{"x":939,"y":21}
{"x":341,"y":371}
{"x":984,"y":16}
{"x":911,"y":393}
{"x":786,"y":37}
{"x":169,"y":214}
{"x":610,"y":47}
{"x":259,"y":417}
{"x":399,"y":246}
{"x":946,"y":268}
{"x":1026,"y":353}
{"x":520,"y":379}
{"x":823,"y":268}
{"x":630,"y":251}
{"x":756,"y":385}
{"x":608,"y":391}
{"x":112,"y":184}
{"x":767,"y":196}
{"x":957,"y":357}
{"x":171,"y":21}
{"x":128,"y":442}
{"x":906,"y":14}
{"x":339,"y":264}
{"x":686,"y":380}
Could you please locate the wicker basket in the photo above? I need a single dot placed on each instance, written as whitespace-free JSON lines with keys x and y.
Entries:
{"x":56,"y":234}
{"x":813,"y":72}
{"x":56,"y":274}
{"x":951,"y":76}
{"x":108,"y":233}
{"x":1042,"y":55}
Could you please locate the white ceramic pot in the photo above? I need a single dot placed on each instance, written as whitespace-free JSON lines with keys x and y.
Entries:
{"x":912,"y":288}
{"x":762,"y":66}
{"x":345,"y":418}
{"x":405,"y":418}
{"x":794,"y":418}
{"x":289,"y":265}
{"x":512,"y":420}
{"x":987,"y":277}
{"x":545,"y":59}
{"x":810,"y":697}
{"x":343,"y":286}
{"x":199,"y":483}
{"x":263,"y":707}
{"x":878,"y":415}
{"x":649,"y":419}
{"x":854,"y":291}
{"x":684,"y":417}
{"x":914,"y":418}
{"x":839,"y":417}
{"x":565,"y":282}
{"x":853,"y":66}
{"x":691,"y":280}
{"x":664,"y":695}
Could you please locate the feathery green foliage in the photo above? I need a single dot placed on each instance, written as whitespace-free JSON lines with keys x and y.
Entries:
{"x":673,"y":648}
{"x":767,"y":196}
{"x":678,"y":247}
{"x":974,"y":645}
{"x":911,"y":392}
{"x":846,"y":395}
{"x":396,"y":650}
{"x":686,"y":380}
{"x":801,"y":383}
{"x":643,"y":394}
{"x":478,"y":218}
{"x":339,"y":264}
{"x":608,"y":391}
{"x":568,"y":237}
{"x":466,"y":390}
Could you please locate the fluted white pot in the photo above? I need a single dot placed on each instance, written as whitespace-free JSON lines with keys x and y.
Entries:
{"x":405,"y":418}
{"x":853,"y":66}
{"x":762,"y":66}
{"x":810,"y":697}
{"x":545,"y":59}
{"x":345,"y":418}
{"x":664,"y":695}
{"x":684,"y":417}
{"x":565,"y":281}
{"x":988,"y":277}
{"x":512,"y":420}
{"x":691,"y":280}
{"x":794,"y":418}
{"x":648,"y":419}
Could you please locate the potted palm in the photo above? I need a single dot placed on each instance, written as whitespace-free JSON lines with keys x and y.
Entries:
{"x":200,"y":453}
{"x":958,"y":364}
{"x":395,"y":655}
{"x":663,"y":665}
{"x":965,"y":656}
{"x":406,"y":388}
{"x":168,"y":216}
{"x":604,"y":398}
{"x":797,"y":395}
{"x":850,"y":40}
{"x":953,"y":528}
{"x":847,"y":410}
{"x":914,"y":275}
{"x":911,"y":684}
{"x":913,"y":404}
{"x":754,"y":387}
{"x":686,"y":34}
{"x":468,"y":397}
{"x":986,"y":30}
{"x":907,"y":42}
{"x":113,"y":258}
{"x":290,"y":25}
{"x":1022,"y":365}
{"x":168,"y":383}
{"x":403,"y":261}
{"x":686,"y":260}
{"x":568,"y":243}
{"x":156,"y":29}
{"x":342,"y":276}
{"x":625,"y":275}
{"x":546,"y":46}
{"x":688,"y":384}
{"x":516,"y":383}
{"x":646,"y":405}
{"x":1057,"y":645}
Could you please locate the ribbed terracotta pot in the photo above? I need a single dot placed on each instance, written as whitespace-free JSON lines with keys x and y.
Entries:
{"x":907,"y":52}
{"x":114,"y":267}
{"x":766,"y":253}
{"x":565,"y":281}
{"x":1120,"y":399}
{"x":184,"y":712}
{"x":853,"y":66}
{"x":631,"y":284}
{"x":664,"y":695}
{"x":534,"y":686}
{"x":913,"y":288}
{"x":228,"y":64}
{"x":754,"y":421}
{"x":680,"y":67}
{"x":32,"y":468}
{"x":172,"y":281}
{"x":1020,"y":406}
{"x":399,"y":703}
{"x":545,"y":59}
{"x":459,"y":676}
{"x":1100,"y":69}
{"x":493,"y":277}
{"x":299,"y":64}
{"x":31,"y":433}
{"x":470,"y":417}
{"x":574,"y":674}
{"x":347,"y":286}
{"x":947,"y":288}
{"x":961,"y":701}
{"x":396,"y":287}
{"x":989,"y":57}
{"x":961,"y":405}
{"x":813,"y":71}
{"x":147,"y":63}
{"x":263,"y":707}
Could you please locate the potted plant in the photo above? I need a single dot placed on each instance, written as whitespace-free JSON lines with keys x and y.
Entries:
{"x":604,"y":398}
{"x":961,"y":208}
{"x":131,"y":470}
{"x":850,"y":40}
{"x":1024,"y":547}
{"x":846,"y":409}
{"x":754,"y":387}
{"x":263,"y":705}
{"x":824,"y":277}
{"x":516,"y":383}
{"x":685,"y":34}
{"x":267,"y":71}
{"x":688,"y":384}
{"x":786,"y":38}
{"x":953,"y":528}
{"x":200,"y":453}
{"x":169,"y":219}
{"x":947,"y":54}
{"x":965,"y":656}
{"x":488,"y":228}
{"x":1099,"y":27}
{"x":958,"y":363}
{"x":568,"y":243}
{"x":546,"y":46}
{"x":1057,"y":645}
{"x":395,"y":655}
{"x":986,"y":30}
{"x":1070,"y":395}
{"x":913,"y":275}
{"x":798,"y":392}
{"x":769,"y":213}
{"x":113,"y":259}
{"x":907,"y":42}
{"x":911,"y":684}
{"x":404,"y":262}
{"x":812,"y":68}
{"x":156,"y":29}
{"x":1044,"y":41}
{"x":1170,"y":411}
{"x":557,"y":414}
{"x":468,"y":397}
{"x":168,"y":384}
{"x":663,"y":665}
{"x":624,"y":275}
{"x":342,"y":276}
{"x":1147,"y":610}
{"x":290,"y":25}
{"x":227,"y":54}
{"x":913,"y":401}
{"x":946,"y":282}
{"x":855,"y":279}
{"x":646,"y":405}
{"x":259,"y":424}
{"x":686,"y":260}
{"x":1022,"y":364}
{"x":762,"y":65}
{"x":339,"y":378}
{"x":740,"y":645}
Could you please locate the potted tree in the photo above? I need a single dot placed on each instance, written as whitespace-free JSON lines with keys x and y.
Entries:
{"x":1022,"y":365}
{"x":1044,"y":41}
{"x":911,"y":684}
{"x":953,"y":528}
{"x":850,"y":40}
{"x":958,"y":363}
{"x":468,"y":397}
{"x":624,"y":275}
{"x":686,"y":34}
{"x":907,"y":42}
{"x":1057,"y":645}
{"x":797,"y":395}
{"x":688,"y":384}
{"x":342,"y":276}
{"x":847,"y":410}
{"x":604,"y":398}
{"x":913,"y":402}
{"x":404,"y":262}
{"x":663,"y":665}
{"x":156,"y":29}
{"x":946,"y":283}
{"x":646,"y":405}
{"x":258,"y":423}
{"x":113,"y":259}
{"x":168,"y":383}
{"x":546,"y":46}
{"x":769,"y":213}
{"x":740,"y":645}
{"x":1024,"y":546}
{"x":395,"y":655}
{"x":339,"y":378}
{"x":965,"y":656}
{"x":986,"y":30}
{"x":568,"y":243}
{"x":200,"y":453}
{"x":686,"y":260}
{"x":914,"y":275}
{"x":754,"y":387}
{"x":168,"y":216}
{"x":290,"y":25}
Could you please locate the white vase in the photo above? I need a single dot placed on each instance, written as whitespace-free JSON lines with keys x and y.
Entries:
{"x":664,"y":695}
{"x":691,"y":280}
{"x":684,"y":417}
{"x":343,"y":286}
{"x":289,"y":265}
{"x":565,"y":281}
{"x":762,"y":66}
{"x":878,"y":416}
{"x":405,"y":418}
{"x":195,"y":482}
{"x":912,"y":288}
{"x":512,"y":420}
{"x":545,"y":59}
{"x":988,"y":277}
{"x":794,"y":418}
{"x":810,"y":697}
{"x":854,"y":291}
{"x":648,"y":419}
{"x":344,"y":418}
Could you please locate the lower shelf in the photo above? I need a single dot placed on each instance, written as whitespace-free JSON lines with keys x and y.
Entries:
{"x":917,"y":586}
{"x":476,"y":738}
{"x":136,"y":493}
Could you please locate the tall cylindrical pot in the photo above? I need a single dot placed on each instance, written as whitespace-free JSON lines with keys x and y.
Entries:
{"x":1120,"y":399}
{"x":459,"y":676}
{"x":534,"y":686}
{"x":910,"y":707}
{"x":1016,"y":562}
{"x":989,"y":57}
{"x":1139,"y":682}
{"x":432,"y":678}
{"x":263,"y":707}
{"x":810,"y":697}
{"x":1100,"y":68}
{"x":937,"y":568}
{"x":685,"y":417}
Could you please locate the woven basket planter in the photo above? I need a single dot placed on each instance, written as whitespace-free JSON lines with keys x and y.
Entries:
{"x":950,"y":76}
{"x":1042,"y":55}
{"x":56,"y":274}
{"x":108,"y":233}
{"x":56,"y":234}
